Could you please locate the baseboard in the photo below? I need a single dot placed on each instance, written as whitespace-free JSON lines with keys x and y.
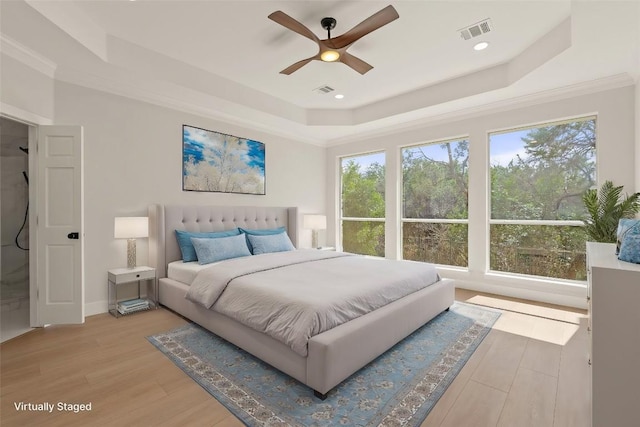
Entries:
{"x":528,"y":294}
{"x":547,"y":291}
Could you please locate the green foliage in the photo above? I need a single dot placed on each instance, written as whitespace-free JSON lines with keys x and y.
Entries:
{"x":539,"y":250}
{"x":605,"y":209}
{"x":548,"y":183}
{"x":362,"y":192}
{"x":437,"y":243}
{"x":434,"y":188}
{"x":363,"y":197}
{"x":363,"y":237}
{"x":545,"y":182}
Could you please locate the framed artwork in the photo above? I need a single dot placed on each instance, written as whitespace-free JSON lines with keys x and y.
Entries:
{"x":217,"y":162}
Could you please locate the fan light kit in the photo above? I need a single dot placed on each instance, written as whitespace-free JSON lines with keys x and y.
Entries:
{"x":329,"y":56}
{"x":335,"y":49}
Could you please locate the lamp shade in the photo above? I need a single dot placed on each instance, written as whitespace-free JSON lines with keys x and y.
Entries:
{"x":314,"y":222}
{"x":130,"y":227}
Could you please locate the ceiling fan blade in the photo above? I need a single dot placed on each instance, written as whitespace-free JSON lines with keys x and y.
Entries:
{"x":354,"y":62}
{"x":294,"y":67}
{"x":372,"y":23}
{"x":286,"y":21}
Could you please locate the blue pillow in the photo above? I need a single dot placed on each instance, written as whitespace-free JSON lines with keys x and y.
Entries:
{"x":262,"y":232}
{"x":212,"y":250}
{"x":186,"y":247}
{"x":270,"y":243}
{"x":626,"y":226}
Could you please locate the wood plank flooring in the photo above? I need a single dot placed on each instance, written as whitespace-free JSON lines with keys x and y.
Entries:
{"x":531,"y":370}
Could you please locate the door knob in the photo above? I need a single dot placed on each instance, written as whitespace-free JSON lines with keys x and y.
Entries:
{"x":73,"y":236}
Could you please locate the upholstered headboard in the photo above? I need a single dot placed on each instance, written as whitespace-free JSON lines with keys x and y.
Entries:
{"x":164,"y":220}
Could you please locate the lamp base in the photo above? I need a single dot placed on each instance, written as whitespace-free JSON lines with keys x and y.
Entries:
{"x":131,"y":253}
{"x":314,"y":239}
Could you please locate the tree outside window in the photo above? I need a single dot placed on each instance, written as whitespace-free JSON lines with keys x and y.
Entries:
{"x":435,"y":211}
{"x":363,"y":205}
{"x":538,"y":177}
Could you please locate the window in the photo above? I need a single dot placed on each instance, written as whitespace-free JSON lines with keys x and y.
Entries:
{"x":362,"y":198}
{"x":435,"y":203}
{"x":538,"y":177}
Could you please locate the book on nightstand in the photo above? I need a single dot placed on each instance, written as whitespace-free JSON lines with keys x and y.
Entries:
{"x":133,"y":305}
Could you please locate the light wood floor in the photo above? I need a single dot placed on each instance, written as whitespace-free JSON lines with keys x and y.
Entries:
{"x":531,"y":370}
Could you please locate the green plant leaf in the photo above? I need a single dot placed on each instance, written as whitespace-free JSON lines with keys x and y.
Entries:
{"x":605,"y":209}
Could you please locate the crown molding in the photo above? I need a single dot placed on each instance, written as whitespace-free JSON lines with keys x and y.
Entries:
{"x":23,"y":116}
{"x":27,"y":56}
{"x":584,"y":88}
{"x":136,"y":92}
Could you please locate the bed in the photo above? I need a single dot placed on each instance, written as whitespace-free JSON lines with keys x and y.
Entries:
{"x":330,"y":356}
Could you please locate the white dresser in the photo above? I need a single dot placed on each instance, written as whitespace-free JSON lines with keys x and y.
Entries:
{"x":614,"y":321}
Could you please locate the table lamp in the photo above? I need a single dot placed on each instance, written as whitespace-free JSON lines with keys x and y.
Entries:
{"x":130,"y":228}
{"x":314,"y":223}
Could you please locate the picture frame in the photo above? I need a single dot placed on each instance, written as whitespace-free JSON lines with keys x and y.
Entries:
{"x":218,"y":162}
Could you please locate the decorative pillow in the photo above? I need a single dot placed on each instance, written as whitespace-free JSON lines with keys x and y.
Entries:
{"x":270,"y":243}
{"x":626,"y":225}
{"x":630,"y":244}
{"x":212,"y":250}
{"x":186,"y":247}
{"x":261,"y":232}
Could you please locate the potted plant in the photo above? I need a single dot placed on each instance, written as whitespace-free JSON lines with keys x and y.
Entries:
{"x":606,"y":209}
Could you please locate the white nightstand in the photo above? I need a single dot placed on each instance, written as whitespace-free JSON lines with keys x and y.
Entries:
{"x":120,"y":276}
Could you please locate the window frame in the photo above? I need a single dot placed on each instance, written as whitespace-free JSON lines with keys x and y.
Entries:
{"x":340,"y":217}
{"x":564,"y":223}
{"x":402,"y":219}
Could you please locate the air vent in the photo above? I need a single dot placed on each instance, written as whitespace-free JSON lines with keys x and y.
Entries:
{"x":476,"y":29}
{"x":323,"y":89}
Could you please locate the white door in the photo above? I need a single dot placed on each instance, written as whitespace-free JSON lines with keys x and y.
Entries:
{"x":59,"y":226}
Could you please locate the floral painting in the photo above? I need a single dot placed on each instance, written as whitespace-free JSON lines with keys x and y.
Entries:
{"x":214,"y":161}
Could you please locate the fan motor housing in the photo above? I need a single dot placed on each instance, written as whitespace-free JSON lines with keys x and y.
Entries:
{"x":328,"y":23}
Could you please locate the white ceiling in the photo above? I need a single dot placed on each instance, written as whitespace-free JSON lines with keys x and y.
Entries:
{"x":222,"y":58}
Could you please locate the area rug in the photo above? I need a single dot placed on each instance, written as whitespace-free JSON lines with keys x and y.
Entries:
{"x":399,"y":388}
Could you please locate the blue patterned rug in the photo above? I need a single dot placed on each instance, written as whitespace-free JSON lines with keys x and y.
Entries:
{"x":399,"y":388}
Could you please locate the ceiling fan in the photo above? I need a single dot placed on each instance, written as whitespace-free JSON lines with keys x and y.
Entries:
{"x":335,"y":49}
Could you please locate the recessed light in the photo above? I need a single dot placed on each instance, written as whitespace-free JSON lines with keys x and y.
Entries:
{"x":481,"y":46}
{"x":339,"y":96}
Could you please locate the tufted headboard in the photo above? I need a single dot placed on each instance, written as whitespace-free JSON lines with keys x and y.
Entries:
{"x":164,"y":220}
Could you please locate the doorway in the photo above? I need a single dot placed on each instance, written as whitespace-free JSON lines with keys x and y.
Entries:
{"x":14,"y":229}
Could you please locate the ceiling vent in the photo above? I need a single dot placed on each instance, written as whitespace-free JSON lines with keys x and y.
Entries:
{"x":323,"y":89}
{"x":476,"y":29}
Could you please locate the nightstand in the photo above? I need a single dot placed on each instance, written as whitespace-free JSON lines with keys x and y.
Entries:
{"x":121,"y":276}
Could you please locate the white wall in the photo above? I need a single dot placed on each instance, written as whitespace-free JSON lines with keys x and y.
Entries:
{"x":25,"y":91}
{"x":133,"y":158}
{"x":615,"y":162}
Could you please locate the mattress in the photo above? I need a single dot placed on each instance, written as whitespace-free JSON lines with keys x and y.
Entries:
{"x":185,"y":272}
{"x":292,"y":296}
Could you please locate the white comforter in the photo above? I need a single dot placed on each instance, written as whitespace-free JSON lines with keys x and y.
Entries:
{"x":295,"y":295}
